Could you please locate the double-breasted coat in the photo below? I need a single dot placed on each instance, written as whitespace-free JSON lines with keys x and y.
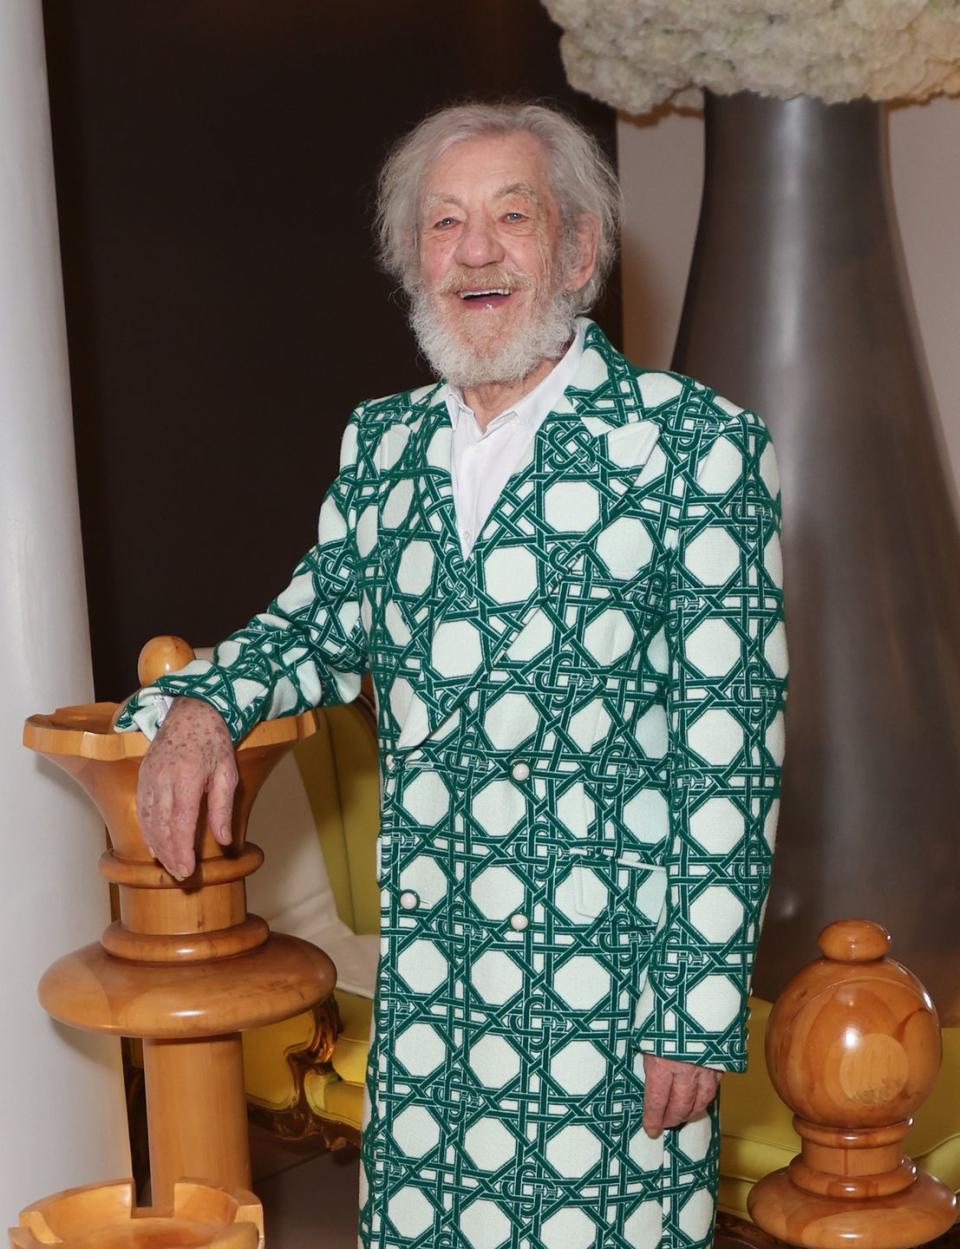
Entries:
{"x":581,"y":732}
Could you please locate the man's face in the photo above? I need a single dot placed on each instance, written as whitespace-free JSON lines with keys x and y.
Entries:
{"x":493,"y":297}
{"x":489,"y":223}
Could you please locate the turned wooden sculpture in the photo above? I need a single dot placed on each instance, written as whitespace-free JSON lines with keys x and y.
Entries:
{"x":853,"y":1048}
{"x":185,"y":968}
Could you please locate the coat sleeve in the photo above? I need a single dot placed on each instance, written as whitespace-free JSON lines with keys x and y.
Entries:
{"x":725,"y":709}
{"x":309,"y":648}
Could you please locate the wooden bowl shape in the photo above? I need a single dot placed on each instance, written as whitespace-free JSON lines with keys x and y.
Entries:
{"x":103,"y":1216}
{"x":853,"y":1048}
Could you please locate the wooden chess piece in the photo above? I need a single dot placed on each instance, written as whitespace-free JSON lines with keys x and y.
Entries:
{"x":104,"y":1216}
{"x":185,"y":967}
{"x":853,"y":1048}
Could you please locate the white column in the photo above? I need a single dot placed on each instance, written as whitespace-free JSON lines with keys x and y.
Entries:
{"x":61,"y":1099}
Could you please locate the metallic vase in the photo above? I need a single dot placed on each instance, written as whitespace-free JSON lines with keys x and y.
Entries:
{"x":798,"y":306}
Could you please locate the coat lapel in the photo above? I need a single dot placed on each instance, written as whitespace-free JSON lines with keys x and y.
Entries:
{"x":545,"y":520}
{"x":428,"y":458}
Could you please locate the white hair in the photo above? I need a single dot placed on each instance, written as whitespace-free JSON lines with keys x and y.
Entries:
{"x":581,"y":178}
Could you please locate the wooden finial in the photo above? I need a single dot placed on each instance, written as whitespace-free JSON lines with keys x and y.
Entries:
{"x":162,"y":655}
{"x":853,"y":1048}
{"x":854,"y":941}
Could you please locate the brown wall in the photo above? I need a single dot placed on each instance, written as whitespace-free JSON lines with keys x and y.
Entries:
{"x":215,"y":163}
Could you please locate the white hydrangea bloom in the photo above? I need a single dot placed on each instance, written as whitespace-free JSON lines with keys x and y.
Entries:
{"x":636,"y":54}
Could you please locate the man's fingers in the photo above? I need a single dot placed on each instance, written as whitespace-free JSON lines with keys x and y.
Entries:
{"x":683,"y":1097}
{"x":675,"y":1091}
{"x":180,"y":856}
{"x":709,"y":1082}
{"x":158,"y":808}
{"x":162,"y":808}
{"x":658,"y":1081}
{"x":220,"y":802}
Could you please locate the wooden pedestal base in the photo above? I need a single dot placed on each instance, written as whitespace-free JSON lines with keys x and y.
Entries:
{"x":103,"y":1216}
{"x":736,"y":1233}
{"x":914,"y":1216}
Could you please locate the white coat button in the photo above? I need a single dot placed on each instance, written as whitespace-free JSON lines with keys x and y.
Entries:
{"x":409,"y":899}
{"x":518,"y":922}
{"x":520,"y":771}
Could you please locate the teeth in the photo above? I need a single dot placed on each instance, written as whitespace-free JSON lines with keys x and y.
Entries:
{"x":481,"y":294}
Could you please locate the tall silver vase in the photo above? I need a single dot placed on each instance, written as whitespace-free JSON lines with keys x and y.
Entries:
{"x":798,"y":306}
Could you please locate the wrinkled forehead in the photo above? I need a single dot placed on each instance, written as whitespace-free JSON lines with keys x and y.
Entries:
{"x":488,"y":168}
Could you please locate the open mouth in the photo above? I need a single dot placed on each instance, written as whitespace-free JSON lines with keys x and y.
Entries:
{"x":487,"y":298}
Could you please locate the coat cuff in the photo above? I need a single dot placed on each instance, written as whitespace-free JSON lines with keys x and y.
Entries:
{"x":704,"y":1023}
{"x":147,"y":708}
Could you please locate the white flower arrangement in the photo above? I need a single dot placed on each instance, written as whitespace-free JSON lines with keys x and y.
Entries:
{"x":635,"y":54}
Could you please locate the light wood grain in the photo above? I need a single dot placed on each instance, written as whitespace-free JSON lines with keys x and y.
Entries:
{"x":853,"y":1047}
{"x":92,"y":989}
{"x":196,"y":1110}
{"x":145,"y":947}
{"x":104,"y":1216}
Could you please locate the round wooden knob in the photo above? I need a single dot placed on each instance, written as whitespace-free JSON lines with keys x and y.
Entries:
{"x":854,"y":941}
{"x":853,"y":1047}
{"x":162,"y":655}
{"x":854,"y":1040}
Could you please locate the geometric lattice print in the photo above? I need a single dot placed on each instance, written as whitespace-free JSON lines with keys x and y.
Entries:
{"x":581,"y":733}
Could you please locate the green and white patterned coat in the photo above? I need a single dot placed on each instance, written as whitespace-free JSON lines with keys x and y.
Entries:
{"x":581,"y":733}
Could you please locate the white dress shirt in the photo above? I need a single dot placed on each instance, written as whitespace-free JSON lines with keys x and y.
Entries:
{"x":482,"y":460}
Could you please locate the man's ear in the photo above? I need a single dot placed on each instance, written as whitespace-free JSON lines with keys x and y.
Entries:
{"x":585,"y":253}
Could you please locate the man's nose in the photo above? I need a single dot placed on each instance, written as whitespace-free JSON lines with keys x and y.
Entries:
{"x":478,"y":245}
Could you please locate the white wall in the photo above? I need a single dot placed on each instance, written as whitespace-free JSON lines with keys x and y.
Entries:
{"x":662,"y":175}
{"x":61,"y":1097}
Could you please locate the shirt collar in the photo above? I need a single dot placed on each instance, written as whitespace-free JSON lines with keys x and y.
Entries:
{"x":533,"y":406}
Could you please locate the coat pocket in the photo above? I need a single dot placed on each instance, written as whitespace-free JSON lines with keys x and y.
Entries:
{"x":613,"y":907}
{"x":627,"y":889}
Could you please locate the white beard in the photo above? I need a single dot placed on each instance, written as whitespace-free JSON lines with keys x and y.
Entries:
{"x":544,"y":336}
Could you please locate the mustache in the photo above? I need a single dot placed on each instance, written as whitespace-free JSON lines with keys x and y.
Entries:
{"x":499,"y":277}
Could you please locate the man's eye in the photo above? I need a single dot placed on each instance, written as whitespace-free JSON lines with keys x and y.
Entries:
{"x":443,"y":223}
{"x":515,"y":216}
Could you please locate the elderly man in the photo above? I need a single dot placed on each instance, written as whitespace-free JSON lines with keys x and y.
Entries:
{"x":563,"y":573}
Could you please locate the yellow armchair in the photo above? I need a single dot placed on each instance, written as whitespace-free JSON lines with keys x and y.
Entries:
{"x":317,"y":819}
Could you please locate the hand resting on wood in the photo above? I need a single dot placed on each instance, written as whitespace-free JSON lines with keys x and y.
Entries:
{"x":191,"y":756}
